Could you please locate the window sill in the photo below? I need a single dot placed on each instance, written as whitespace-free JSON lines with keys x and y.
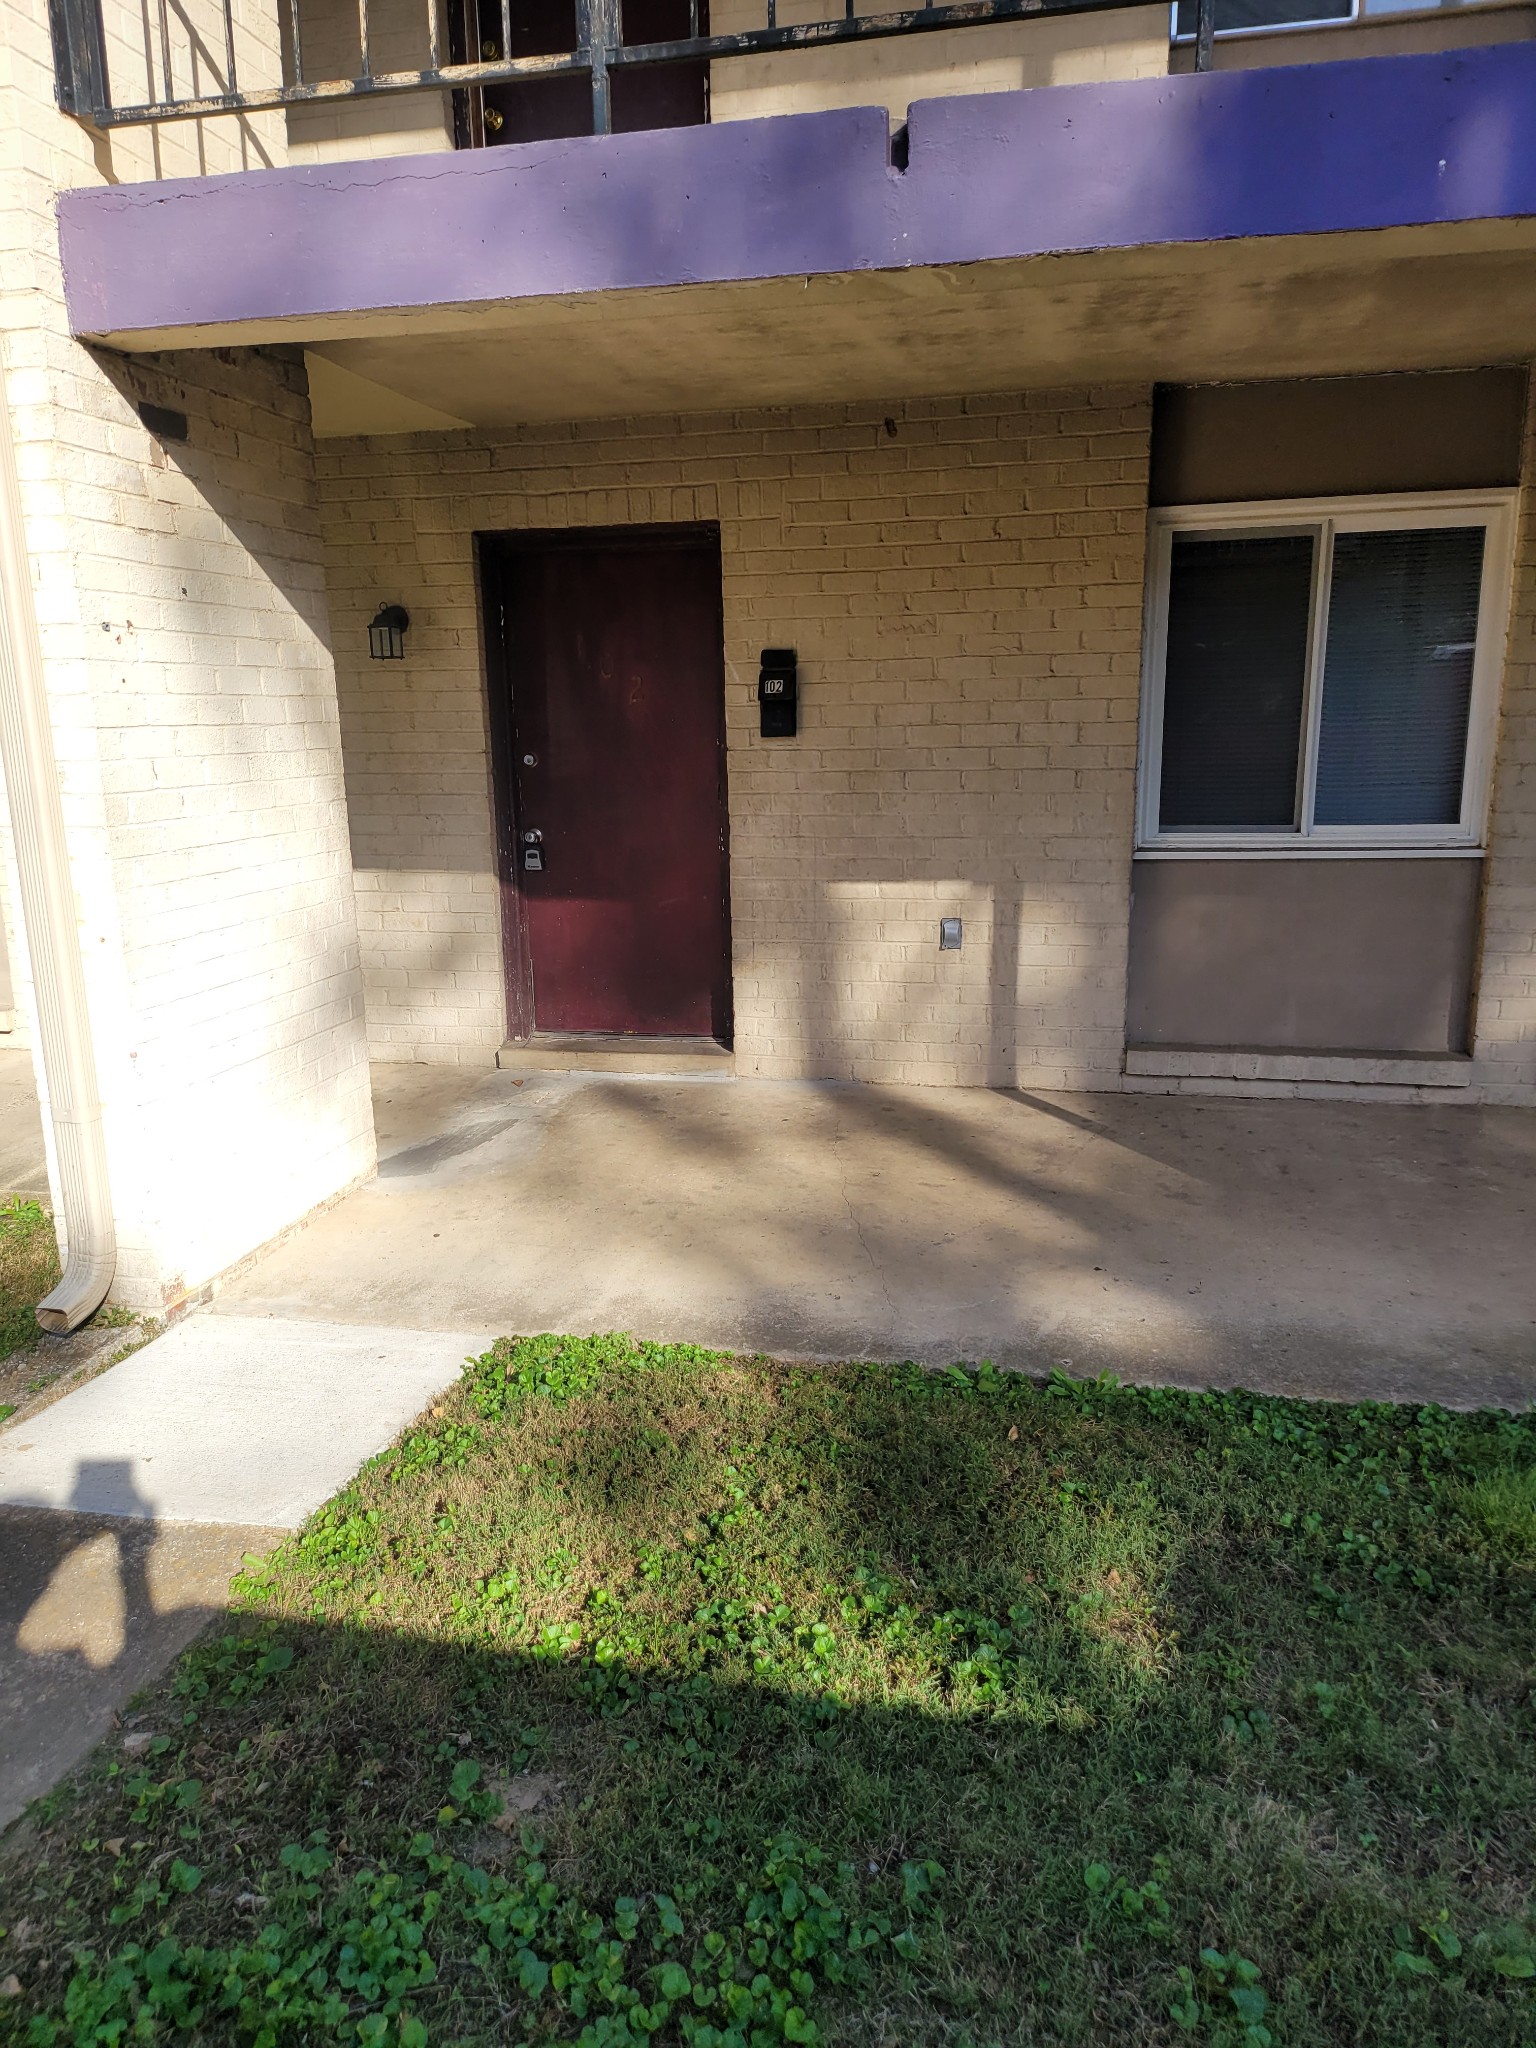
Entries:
{"x":1302,"y":849}
{"x":1244,"y":1063}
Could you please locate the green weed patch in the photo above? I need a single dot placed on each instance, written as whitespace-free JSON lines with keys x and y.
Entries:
{"x":647,"y":1694}
{"x":29,"y":1267}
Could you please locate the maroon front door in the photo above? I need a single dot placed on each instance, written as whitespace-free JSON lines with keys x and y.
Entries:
{"x":614,"y":745}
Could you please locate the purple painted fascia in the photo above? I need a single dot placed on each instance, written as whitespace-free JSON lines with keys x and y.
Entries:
{"x":1313,"y":149}
{"x":1308,"y":149}
{"x":530,"y":220}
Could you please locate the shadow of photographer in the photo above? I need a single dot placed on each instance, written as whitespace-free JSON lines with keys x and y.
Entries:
{"x":95,"y":1600}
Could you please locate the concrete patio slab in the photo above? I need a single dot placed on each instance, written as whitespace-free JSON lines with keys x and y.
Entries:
{"x":1336,"y":1248}
{"x":229,"y":1419}
{"x":92,"y":1608}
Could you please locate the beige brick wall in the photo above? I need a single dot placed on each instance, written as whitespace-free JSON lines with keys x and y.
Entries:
{"x":1130,"y":42}
{"x":41,"y":148}
{"x":1122,"y":42}
{"x":397,"y":124}
{"x":962,"y":579}
{"x":963,"y":582}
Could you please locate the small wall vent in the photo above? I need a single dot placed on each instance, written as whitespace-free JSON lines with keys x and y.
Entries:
{"x":164,"y":422}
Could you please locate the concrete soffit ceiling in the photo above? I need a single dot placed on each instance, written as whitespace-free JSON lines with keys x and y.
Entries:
{"x":344,"y":403}
{"x":1348,"y":304}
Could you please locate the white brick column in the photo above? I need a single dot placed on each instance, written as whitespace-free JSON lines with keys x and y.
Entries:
{"x":1504,"y":1046}
{"x":181,"y":610}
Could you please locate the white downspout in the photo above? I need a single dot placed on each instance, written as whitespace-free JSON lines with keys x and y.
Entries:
{"x":51,"y":925}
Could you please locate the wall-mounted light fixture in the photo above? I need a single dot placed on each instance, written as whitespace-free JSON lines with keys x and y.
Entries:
{"x":386,"y":634}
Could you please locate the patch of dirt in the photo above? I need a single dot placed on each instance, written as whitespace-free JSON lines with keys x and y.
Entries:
{"x":521,"y":1796}
{"x":34,"y":1379}
{"x":529,"y":1793}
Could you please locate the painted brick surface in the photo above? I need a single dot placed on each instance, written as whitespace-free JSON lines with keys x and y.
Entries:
{"x":15,"y":1004}
{"x":1504,"y":1042}
{"x":181,"y":609}
{"x":962,"y":580}
{"x":196,"y":724}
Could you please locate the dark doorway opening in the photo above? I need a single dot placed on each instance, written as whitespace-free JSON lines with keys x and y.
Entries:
{"x":607,"y":699}
{"x":540,"y":109}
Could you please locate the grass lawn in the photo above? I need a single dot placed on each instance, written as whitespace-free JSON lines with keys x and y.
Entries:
{"x":35,"y":1369}
{"x":29,"y":1267}
{"x":651,"y":1694}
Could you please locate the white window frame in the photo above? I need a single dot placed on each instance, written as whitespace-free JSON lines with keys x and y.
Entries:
{"x":1275,"y":28}
{"x":1327,"y":517}
{"x":1360,"y":15}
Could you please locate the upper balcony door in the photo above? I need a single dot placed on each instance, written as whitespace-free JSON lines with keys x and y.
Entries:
{"x":539,"y":109}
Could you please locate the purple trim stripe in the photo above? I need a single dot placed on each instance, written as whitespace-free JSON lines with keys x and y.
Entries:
{"x":1314,"y":149}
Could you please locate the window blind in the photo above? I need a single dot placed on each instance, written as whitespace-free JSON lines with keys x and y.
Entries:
{"x":1235,"y":687}
{"x":1397,"y":676}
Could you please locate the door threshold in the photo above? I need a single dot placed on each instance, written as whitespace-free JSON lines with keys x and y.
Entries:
{"x":603,"y":1052}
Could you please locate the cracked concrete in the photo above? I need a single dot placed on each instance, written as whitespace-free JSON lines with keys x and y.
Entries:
{"x":853,"y":1218}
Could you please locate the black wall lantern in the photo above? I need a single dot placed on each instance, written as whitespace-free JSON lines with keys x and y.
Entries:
{"x":778,"y":694}
{"x":386,"y":635}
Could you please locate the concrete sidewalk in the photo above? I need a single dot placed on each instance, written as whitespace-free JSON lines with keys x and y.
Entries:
{"x":229,"y":1419}
{"x":126,"y":1506}
{"x":1358,"y":1250}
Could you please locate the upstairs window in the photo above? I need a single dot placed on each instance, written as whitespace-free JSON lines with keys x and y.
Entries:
{"x":1322,"y":676}
{"x":1239,"y":17}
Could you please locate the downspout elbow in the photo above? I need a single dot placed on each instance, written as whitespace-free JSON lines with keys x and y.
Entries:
{"x":80,"y":1149}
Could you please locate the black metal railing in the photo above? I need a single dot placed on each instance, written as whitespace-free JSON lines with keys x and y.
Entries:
{"x":209,"y":82}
